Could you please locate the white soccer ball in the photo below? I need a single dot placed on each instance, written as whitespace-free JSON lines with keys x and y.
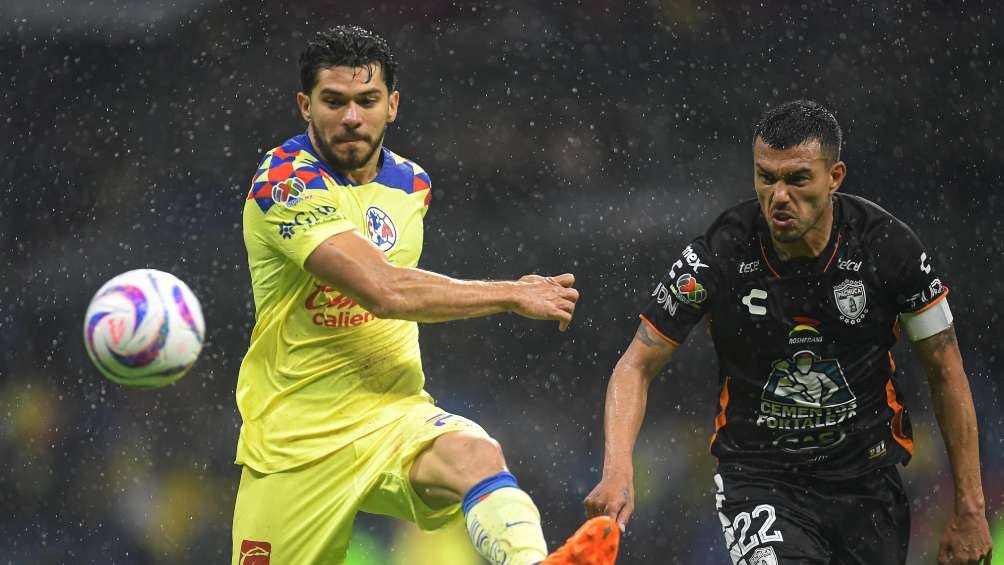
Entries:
{"x":144,"y":328}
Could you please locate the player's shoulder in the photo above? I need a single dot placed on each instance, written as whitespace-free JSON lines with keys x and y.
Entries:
{"x":286,"y":172}
{"x":872,"y":224}
{"x":735,"y":227}
{"x":402,"y":173}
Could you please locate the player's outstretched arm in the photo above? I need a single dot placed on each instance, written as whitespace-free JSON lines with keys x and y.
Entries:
{"x":352,"y":264}
{"x":967,"y":537}
{"x":627,"y":395}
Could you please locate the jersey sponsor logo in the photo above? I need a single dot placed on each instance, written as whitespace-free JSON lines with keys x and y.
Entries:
{"x":288,"y":192}
{"x":806,"y":392}
{"x":877,"y":450}
{"x":763,"y":556}
{"x":688,"y":290}
{"x":806,"y":330}
{"x":665,"y":298}
{"x":934,"y":290}
{"x":324,"y":297}
{"x":755,"y":294}
{"x":751,"y":267}
{"x":305,"y":218}
{"x":692,"y":259}
{"x":924,"y":264}
{"x":255,"y":552}
{"x":849,"y":265}
{"x":380,"y":228}
{"x":851,"y":300}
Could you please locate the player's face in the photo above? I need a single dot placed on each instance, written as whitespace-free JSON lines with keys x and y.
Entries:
{"x":794,"y":187}
{"x":348,"y":111}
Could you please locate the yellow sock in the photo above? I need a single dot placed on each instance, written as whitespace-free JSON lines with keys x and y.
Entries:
{"x":505,"y":528}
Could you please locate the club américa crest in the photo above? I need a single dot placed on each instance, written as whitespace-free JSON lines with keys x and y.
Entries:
{"x":380,"y":228}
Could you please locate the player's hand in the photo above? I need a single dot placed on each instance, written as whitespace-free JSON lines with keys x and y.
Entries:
{"x":614,"y":497}
{"x":547,"y":298}
{"x":966,"y":541}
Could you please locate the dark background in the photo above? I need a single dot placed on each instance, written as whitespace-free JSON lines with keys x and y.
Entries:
{"x":592,"y":137}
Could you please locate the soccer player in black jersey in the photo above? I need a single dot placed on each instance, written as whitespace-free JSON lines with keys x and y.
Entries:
{"x":806,"y":290}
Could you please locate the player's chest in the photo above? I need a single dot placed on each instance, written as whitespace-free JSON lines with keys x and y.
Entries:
{"x":844,"y":304}
{"x":389,"y":218}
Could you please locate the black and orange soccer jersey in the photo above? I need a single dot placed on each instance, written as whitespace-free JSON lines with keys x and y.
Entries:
{"x":807,"y":379}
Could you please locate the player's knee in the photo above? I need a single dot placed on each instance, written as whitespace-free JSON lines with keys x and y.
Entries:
{"x":473,"y":457}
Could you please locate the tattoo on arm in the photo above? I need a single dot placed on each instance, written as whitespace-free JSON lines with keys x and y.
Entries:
{"x":648,"y":337}
{"x":941,"y":340}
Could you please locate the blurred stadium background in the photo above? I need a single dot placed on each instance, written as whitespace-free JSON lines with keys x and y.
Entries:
{"x":594,"y":137}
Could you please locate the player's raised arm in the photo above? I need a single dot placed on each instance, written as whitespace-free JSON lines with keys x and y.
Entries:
{"x":351,"y":263}
{"x":967,"y":536}
{"x":627,"y":395}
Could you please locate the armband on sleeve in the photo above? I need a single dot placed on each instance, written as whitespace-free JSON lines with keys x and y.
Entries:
{"x":937,"y":317}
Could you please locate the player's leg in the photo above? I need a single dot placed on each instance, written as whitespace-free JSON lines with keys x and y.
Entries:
{"x":871,"y":520}
{"x":299,"y":516}
{"x":448,"y":465}
{"x":767,"y":521}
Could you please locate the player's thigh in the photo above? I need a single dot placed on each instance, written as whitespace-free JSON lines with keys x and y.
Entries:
{"x":391,"y":457}
{"x":303,"y":516}
{"x":764,"y":526}
{"x":873,"y":523}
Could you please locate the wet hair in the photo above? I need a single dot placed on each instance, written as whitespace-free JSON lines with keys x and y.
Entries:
{"x":346,"y":46}
{"x":797,"y":122}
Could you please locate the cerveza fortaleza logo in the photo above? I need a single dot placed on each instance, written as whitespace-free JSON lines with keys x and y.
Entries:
{"x":305,"y":219}
{"x":806,"y":398}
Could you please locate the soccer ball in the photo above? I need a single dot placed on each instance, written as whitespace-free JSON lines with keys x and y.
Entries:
{"x":144,"y":328}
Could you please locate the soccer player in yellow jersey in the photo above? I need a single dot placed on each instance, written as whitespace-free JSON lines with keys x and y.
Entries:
{"x":335,"y":418}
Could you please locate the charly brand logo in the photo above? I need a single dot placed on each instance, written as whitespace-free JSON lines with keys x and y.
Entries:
{"x":804,"y":398}
{"x":755,"y":294}
{"x":255,"y":552}
{"x":924,"y":264}
{"x":380,"y":228}
{"x":851,"y":300}
{"x":288,"y":192}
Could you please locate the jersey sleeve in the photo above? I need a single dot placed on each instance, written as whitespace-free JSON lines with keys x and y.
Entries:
{"x":683,"y":295}
{"x":920,"y":294}
{"x":298,"y":218}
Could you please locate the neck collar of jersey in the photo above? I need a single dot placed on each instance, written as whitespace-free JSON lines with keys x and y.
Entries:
{"x":801,"y":266}
{"x":304,"y":143}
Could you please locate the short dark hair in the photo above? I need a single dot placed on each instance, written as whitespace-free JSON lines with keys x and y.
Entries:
{"x":797,"y":122}
{"x":346,"y":46}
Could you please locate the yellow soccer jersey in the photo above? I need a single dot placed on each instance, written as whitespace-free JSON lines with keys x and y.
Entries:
{"x":321,"y":371}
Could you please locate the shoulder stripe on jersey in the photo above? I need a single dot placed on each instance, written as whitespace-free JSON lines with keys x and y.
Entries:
{"x":283,"y":163}
{"x":723,"y":403}
{"x":896,"y":425}
{"x":402,"y":174}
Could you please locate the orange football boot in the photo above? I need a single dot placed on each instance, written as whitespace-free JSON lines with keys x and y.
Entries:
{"x":594,"y":543}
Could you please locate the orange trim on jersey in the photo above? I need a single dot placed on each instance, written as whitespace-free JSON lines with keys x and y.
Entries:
{"x":836,"y":246}
{"x":892,"y":362}
{"x":671,"y":341}
{"x":932,"y":303}
{"x":723,"y":402}
{"x":763,"y":253}
{"x":896,"y":424}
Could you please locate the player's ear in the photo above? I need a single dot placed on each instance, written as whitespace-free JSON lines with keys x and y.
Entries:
{"x":837,"y":173}
{"x":392,"y":102}
{"x":303,"y":101}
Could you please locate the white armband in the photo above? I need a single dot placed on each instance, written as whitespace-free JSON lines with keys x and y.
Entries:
{"x":935,"y":318}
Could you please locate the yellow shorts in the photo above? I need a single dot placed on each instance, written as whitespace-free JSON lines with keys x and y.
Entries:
{"x":304,"y":515}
